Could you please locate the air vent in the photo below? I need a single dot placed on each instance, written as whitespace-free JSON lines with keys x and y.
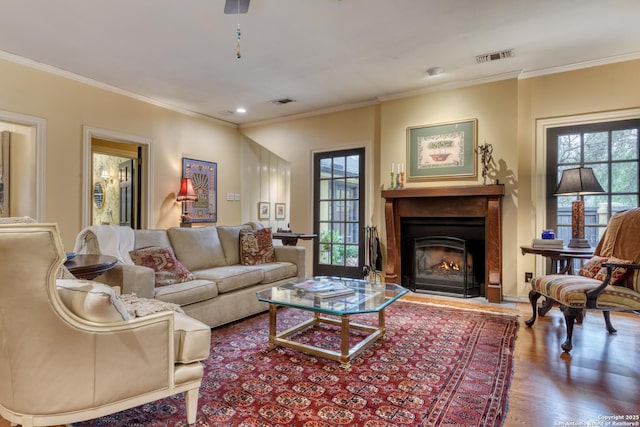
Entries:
{"x":494,"y":56}
{"x":226,"y":112}
{"x":282,"y":101}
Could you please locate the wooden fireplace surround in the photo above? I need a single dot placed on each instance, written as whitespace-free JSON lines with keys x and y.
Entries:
{"x":474,"y":201}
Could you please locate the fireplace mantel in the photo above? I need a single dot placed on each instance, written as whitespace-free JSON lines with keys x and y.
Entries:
{"x":474,"y":201}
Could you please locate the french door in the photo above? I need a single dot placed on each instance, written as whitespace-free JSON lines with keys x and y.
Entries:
{"x":338,"y":202}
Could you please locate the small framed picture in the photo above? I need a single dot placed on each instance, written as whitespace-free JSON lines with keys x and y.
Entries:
{"x":263,"y":210}
{"x":280,"y":210}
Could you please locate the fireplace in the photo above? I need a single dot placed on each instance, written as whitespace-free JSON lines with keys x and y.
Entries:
{"x":443,"y":255}
{"x":468,"y":213}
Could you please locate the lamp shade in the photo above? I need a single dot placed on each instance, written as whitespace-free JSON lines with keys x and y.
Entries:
{"x":578,"y":181}
{"x":186,"y":193}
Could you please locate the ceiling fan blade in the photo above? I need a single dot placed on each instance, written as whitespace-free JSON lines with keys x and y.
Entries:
{"x":233,"y":7}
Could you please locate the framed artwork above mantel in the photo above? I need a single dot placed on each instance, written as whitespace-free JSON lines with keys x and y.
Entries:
{"x":442,"y":151}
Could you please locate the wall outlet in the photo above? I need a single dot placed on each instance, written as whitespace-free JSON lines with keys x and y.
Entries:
{"x":528,"y":276}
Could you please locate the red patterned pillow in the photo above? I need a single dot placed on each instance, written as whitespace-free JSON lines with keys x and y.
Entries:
{"x":592,"y":267}
{"x":256,"y":247}
{"x":164,"y":262}
{"x":619,"y":273}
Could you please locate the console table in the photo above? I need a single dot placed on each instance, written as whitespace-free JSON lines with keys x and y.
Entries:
{"x":291,"y":239}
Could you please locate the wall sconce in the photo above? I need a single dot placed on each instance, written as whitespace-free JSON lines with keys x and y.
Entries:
{"x":186,"y":195}
{"x":578,"y":181}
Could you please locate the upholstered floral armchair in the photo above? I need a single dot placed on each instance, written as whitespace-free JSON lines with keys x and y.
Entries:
{"x":69,"y":349}
{"x":610,"y":281}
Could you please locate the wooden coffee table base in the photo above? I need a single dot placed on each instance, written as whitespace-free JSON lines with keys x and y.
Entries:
{"x":346,"y":353}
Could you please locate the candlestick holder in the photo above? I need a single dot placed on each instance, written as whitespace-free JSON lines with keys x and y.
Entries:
{"x":401,"y":183}
{"x":393,"y":183}
{"x":397,"y":181}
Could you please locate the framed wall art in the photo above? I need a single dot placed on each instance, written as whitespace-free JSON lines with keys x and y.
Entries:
{"x":442,"y":151}
{"x":204,"y":177}
{"x":264,"y":210}
{"x":280,"y":210}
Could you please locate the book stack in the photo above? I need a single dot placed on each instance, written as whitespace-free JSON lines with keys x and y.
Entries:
{"x":324,"y":289}
{"x":548,"y":243}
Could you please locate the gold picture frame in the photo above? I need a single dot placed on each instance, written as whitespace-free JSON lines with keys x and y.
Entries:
{"x":442,"y":151}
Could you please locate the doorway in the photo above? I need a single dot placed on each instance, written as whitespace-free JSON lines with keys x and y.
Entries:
{"x":115,"y":179}
{"x":338,"y":220}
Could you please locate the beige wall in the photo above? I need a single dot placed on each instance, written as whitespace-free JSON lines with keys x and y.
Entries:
{"x":507,"y":112}
{"x":67,"y":105}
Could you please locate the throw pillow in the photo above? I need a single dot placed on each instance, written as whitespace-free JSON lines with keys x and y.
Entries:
{"x":619,"y":273}
{"x":592,"y":267}
{"x":256,"y":247}
{"x":164,"y":262}
{"x":92,"y":301}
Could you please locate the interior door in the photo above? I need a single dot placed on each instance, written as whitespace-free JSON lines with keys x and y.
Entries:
{"x":339,"y":213}
{"x":126,"y":178}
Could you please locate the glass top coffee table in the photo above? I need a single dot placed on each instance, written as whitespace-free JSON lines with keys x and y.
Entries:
{"x":351,"y":296}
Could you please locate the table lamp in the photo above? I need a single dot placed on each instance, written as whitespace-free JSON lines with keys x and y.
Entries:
{"x":578,"y":181}
{"x":186,"y":195}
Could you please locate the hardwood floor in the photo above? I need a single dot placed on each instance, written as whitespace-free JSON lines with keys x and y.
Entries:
{"x":599,"y":378}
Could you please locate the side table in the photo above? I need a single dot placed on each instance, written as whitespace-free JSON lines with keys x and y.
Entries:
{"x":291,"y":239}
{"x":88,"y":267}
{"x":561,"y":263}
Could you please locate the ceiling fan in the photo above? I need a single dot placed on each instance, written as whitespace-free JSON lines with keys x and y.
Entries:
{"x":234,"y":7}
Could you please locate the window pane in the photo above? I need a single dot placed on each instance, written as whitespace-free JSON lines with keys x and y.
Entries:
{"x":568,"y":149}
{"x":325,"y":211}
{"x":622,"y":202}
{"x":351,"y":255}
{"x":353,"y":165}
{"x":624,"y":177}
{"x":601,"y":171}
{"x":352,"y":233}
{"x":352,"y":188}
{"x":325,"y":234}
{"x":596,"y":146}
{"x":352,"y":211}
{"x":338,"y":166}
{"x":338,"y":188}
{"x":325,"y":168}
{"x":325,"y":189}
{"x":338,"y":211}
{"x":624,"y":144}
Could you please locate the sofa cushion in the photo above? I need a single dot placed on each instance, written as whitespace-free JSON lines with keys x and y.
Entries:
{"x":145,"y":238}
{"x":256,"y":247}
{"x":232,"y":277}
{"x":197,"y":248}
{"x":230,"y":240}
{"x":275,"y":271}
{"x":92,"y":301}
{"x":187,"y":292}
{"x":191,"y":339}
{"x":163,"y":261}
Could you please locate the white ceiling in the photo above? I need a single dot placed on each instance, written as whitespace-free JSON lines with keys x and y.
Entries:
{"x":324,"y":54}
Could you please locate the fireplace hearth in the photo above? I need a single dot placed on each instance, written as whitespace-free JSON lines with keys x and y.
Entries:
{"x":468,"y":213}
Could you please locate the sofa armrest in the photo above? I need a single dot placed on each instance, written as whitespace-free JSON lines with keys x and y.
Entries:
{"x":292,"y":254}
{"x":132,"y":279}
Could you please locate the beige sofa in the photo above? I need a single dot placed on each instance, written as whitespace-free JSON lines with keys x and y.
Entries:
{"x":224,"y":290}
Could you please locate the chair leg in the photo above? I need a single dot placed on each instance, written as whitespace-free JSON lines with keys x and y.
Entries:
{"x":191,"y":402}
{"x":607,"y":322}
{"x":570,"y":315}
{"x":533,"y":299}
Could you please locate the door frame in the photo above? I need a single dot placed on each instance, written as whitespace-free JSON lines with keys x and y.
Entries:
{"x":146,"y":195}
{"x":40,"y":126}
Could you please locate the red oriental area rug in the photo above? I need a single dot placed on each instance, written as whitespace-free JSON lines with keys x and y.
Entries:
{"x":437,"y":366}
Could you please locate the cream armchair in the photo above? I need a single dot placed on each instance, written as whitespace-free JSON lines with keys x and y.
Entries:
{"x":57,"y":367}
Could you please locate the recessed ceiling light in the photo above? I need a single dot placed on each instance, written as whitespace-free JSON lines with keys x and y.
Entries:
{"x":241,"y":110}
{"x":434,"y":71}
